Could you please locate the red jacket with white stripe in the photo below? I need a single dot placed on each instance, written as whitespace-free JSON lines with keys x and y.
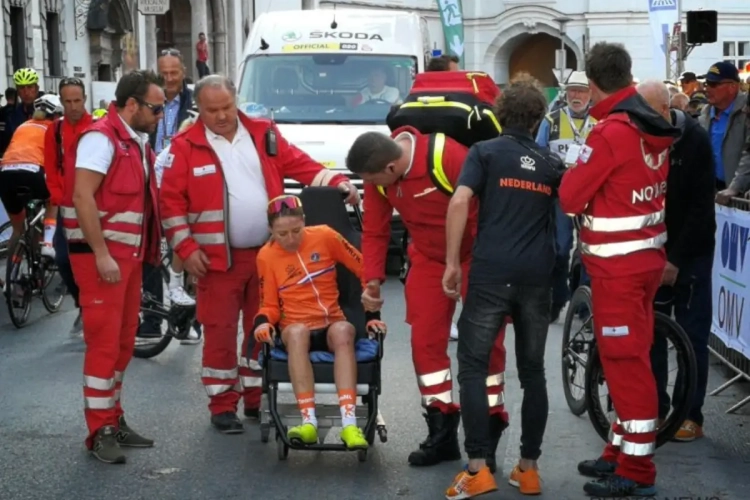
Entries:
{"x":127,"y":203}
{"x":619,"y":184}
{"x":194,"y":207}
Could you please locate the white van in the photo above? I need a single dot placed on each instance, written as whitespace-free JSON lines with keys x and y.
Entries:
{"x":327,"y":76}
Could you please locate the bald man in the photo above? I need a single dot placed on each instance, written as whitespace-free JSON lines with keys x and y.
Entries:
{"x":680,"y":101}
{"x":686,"y":283}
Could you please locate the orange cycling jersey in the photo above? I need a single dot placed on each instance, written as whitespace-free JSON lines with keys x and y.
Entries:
{"x":27,"y":145}
{"x":301,"y":287}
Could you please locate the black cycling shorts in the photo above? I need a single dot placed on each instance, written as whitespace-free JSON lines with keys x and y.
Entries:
{"x":318,"y":340}
{"x":19,"y":187}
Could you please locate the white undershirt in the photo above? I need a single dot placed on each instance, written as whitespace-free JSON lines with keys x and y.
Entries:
{"x":95,"y":151}
{"x":248,"y":199}
{"x":413,"y":141}
{"x":389,"y":94}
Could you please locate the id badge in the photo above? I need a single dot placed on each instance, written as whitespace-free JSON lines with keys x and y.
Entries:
{"x":571,"y":157}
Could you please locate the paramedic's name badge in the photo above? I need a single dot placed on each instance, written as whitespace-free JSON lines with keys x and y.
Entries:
{"x":204,"y":170}
{"x":585,"y":154}
{"x":168,"y":162}
{"x":572,"y":155}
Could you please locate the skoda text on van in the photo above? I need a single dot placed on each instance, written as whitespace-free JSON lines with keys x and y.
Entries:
{"x":325,"y":83}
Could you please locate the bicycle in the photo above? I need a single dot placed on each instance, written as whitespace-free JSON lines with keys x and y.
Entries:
{"x":584,"y":342}
{"x":22,"y":285}
{"x":179,"y":318}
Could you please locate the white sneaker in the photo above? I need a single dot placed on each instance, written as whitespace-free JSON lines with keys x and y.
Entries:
{"x":48,"y":250}
{"x":193,"y":337}
{"x":454,"y":331}
{"x":180,"y":297}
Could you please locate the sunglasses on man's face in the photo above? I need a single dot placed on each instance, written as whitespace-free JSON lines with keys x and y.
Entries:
{"x":156,"y":109}
{"x":278,"y":204}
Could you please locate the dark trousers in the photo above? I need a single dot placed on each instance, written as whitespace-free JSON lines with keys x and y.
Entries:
{"x":484,"y":313}
{"x":152,"y":283}
{"x":62,"y":259}
{"x":202,"y":69}
{"x":690,"y":301}
{"x":564,"y":245}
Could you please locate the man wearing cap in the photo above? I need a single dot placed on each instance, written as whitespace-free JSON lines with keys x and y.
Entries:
{"x":561,"y":128}
{"x":689,"y":83}
{"x":725,"y":121}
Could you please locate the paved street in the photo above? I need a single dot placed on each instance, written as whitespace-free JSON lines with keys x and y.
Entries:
{"x":42,"y":454}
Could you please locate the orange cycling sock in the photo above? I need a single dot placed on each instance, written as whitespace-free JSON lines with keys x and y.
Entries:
{"x":348,"y":405}
{"x":50,"y":226}
{"x":306,"y":404}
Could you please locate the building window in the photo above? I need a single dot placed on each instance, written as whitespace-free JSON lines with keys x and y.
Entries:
{"x":18,"y":37}
{"x":54,"y":44}
{"x":737,"y":53}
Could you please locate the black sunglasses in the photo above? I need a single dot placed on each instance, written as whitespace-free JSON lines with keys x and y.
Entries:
{"x":156,"y":109}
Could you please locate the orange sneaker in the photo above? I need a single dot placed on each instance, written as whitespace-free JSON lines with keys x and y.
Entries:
{"x":467,"y":485}
{"x":527,"y":481}
{"x":689,"y":431}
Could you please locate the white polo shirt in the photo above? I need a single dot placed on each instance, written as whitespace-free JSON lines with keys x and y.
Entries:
{"x":95,"y":151}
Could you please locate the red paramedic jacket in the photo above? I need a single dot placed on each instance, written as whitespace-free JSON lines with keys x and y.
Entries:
{"x":194,"y":194}
{"x":422,"y":207}
{"x":619,"y":184}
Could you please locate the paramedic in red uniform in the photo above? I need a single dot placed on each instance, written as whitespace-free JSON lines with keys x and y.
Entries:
{"x":217,"y":181}
{"x":401,"y":166}
{"x":111,"y":221}
{"x":618,"y":185}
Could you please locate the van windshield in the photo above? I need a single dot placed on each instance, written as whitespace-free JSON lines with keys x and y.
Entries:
{"x":325,"y":88}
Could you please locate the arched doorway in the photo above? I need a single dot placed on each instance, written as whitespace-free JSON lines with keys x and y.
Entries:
{"x":535,"y":54}
{"x":173,"y":30}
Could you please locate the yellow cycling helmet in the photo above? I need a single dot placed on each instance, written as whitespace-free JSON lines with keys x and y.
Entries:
{"x":25,"y":76}
{"x":99,"y":113}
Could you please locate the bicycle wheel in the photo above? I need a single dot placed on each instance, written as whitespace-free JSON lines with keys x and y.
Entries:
{"x":578,"y":337}
{"x":54,"y":290}
{"x":148,"y":347}
{"x":678,"y":404}
{"x":19,"y":284}
{"x":5,"y":231}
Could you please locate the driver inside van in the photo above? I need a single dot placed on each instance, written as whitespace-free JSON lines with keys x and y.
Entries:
{"x":377,"y":90}
{"x":300,"y":296}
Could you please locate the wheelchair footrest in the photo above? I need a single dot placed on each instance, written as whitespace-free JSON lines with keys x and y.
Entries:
{"x":328,"y":415}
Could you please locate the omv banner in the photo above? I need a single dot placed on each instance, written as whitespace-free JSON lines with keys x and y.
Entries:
{"x":662,"y":15}
{"x":731,"y":279}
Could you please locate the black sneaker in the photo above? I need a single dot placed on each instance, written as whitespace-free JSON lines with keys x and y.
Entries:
{"x":105,"y":447}
{"x":616,"y":486}
{"x":227,"y":423}
{"x":252,"y":413}
{"x":129,"y":438}
{"x":596,"y":468}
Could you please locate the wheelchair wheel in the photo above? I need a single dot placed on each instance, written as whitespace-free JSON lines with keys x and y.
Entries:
{"x":578,"y":336}
{"x":683,"y":375}
{"x":362,"y":455}
{"x":282,"y":450}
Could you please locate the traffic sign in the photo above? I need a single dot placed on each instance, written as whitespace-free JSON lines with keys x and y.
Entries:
{"x":153,"y":7}
{"x":562,"y":75}
{"x":437,"y":52}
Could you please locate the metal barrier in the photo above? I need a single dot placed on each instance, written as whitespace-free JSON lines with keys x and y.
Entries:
{"x":734,"y":360}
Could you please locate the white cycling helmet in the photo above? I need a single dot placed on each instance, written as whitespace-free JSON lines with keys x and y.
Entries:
{"x":50,"y":104}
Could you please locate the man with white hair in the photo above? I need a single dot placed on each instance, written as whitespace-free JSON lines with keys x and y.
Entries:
{"x":680,"y":101}
{"x":686,"y":282}
{"x":561,"y":128}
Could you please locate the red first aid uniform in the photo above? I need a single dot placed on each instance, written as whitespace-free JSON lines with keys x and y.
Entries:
{"x":58,"y":147}
{"x":618,"y":184}
{"x":129,"y":218}
{"x":195,"y":216}
{"x":429,"y":312}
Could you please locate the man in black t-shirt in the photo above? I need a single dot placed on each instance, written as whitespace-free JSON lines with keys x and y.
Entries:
{"x":510,"y":275}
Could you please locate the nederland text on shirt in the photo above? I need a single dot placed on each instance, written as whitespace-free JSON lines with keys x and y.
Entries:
{"x":538,"y":187}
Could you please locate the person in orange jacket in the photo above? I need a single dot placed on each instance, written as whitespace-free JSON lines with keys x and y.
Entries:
{"x":217,"y":181}
{"x":60,"y":141}
{"x":618,"y":182}
{"x":111,"y":218}
{"x":397,"y":175}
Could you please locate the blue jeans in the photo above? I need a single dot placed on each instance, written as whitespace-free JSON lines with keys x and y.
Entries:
{"x":564,"y":245}
{"x":62,"y":260}
{"x":692,"y":307}
{"x":484,"y":312}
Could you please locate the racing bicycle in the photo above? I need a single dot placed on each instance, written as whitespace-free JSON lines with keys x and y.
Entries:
{"x":178,"y":318}
{"x":580,"y":356}
{"x":28,"y":274}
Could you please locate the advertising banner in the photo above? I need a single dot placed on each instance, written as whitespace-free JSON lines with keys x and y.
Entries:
{"x":662,"y":15}
{"x":731,"y":279}
{"x":452,"y":17}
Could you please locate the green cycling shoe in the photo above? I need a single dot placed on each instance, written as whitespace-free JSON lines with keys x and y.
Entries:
{"x":305,"y":434}
{"x":354,"y":438}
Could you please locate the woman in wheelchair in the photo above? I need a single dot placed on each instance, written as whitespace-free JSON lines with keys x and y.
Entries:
{"x":299,"y":298}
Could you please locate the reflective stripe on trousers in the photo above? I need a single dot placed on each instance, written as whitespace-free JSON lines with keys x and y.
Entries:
{"x":440,"y":377}
{"x":634,"y":427}
{"x":249,"y":381}
{"x":214,"y":389}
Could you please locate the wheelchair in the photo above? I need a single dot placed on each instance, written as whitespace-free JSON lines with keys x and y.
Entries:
{"x":323,"y":205}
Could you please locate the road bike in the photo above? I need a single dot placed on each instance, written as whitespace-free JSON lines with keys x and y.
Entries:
{"x":28,"y":274}
{"x":580,"y":355}
{"x":178,"y":318}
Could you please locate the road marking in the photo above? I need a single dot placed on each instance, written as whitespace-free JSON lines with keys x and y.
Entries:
{"x":513,"y":436}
